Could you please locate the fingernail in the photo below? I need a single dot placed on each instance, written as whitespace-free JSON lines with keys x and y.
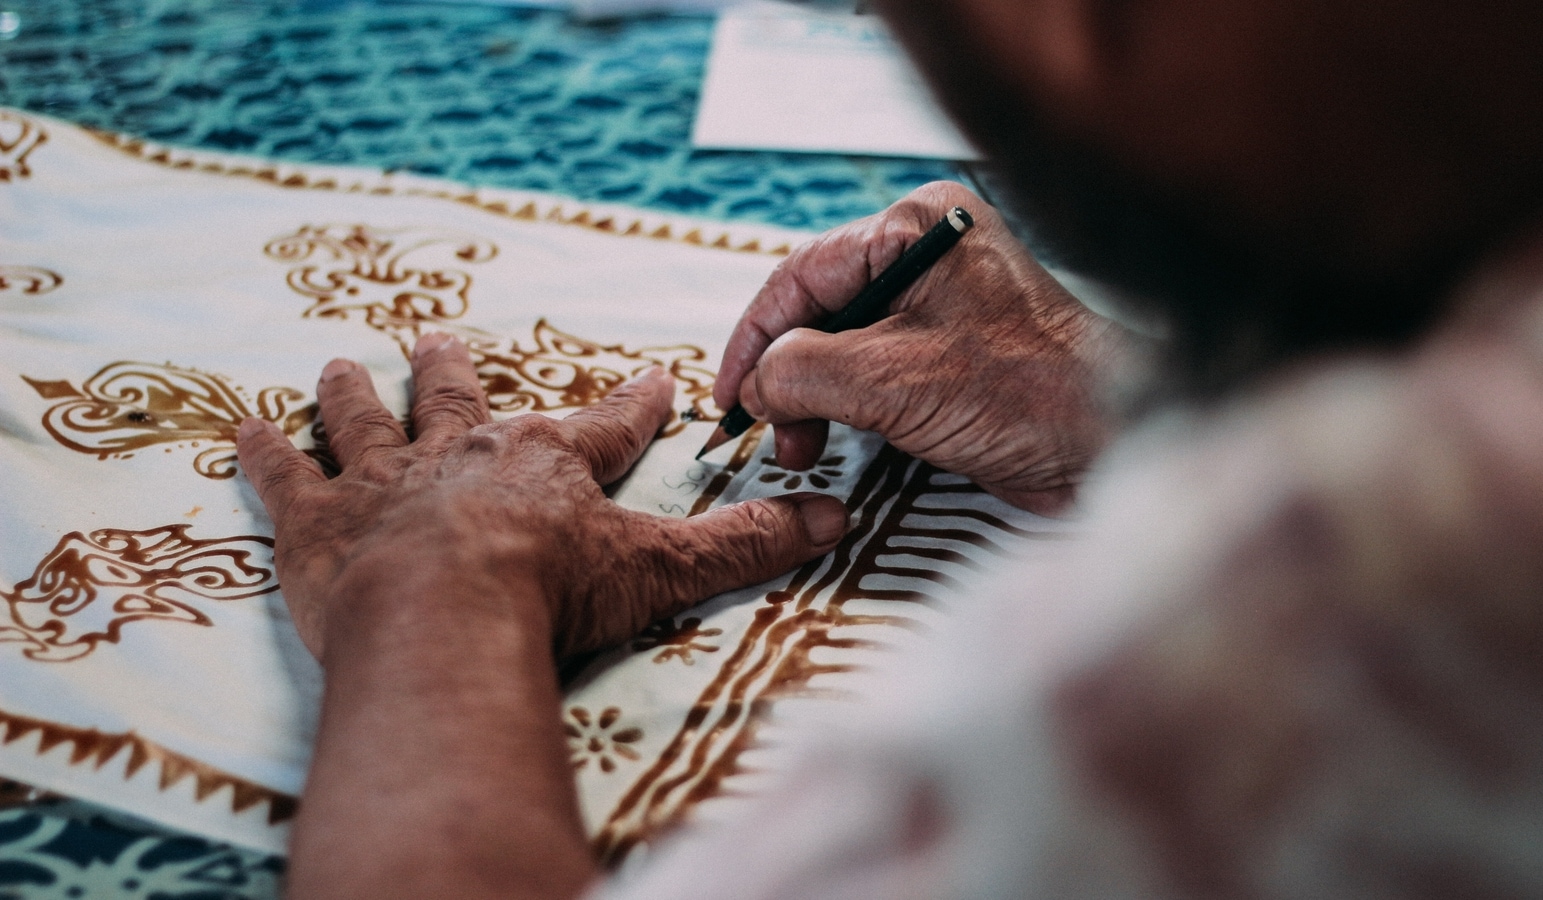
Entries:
{"x":650,"y":372}
{"x":781,"y":450}
{"x":434,"y":340}
{"x":335,"y":368}
{"x":825,"y":519}
{"x":750,"y":397}
{"x":250,"y":426}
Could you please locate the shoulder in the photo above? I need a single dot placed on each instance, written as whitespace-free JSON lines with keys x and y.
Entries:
{"x":1343,"y":615}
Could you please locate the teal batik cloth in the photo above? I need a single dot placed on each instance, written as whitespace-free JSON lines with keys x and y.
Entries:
{"x":501,"y":97}
{"x":69,"y":851}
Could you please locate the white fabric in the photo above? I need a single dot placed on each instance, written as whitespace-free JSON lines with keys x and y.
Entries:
{"x":150,"y":298}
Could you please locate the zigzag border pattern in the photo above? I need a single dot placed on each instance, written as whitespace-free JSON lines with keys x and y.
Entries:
{"x":88,"y":745}
{"x":294,"y":178}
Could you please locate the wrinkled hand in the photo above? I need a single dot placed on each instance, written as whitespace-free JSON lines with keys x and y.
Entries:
{"x":517,"y":503}
{"x":987,"y":367}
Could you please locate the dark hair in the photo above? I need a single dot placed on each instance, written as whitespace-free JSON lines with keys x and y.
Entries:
{"x":1237,"y":305}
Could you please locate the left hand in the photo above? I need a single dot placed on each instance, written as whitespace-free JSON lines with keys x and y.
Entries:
{"x":515,"y":503}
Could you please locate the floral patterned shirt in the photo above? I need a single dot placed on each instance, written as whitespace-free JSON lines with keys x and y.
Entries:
{"x":1299,"y":654}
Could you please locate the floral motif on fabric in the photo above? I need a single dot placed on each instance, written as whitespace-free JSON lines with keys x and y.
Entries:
{"x":129,"y":406}
{"x":564,"y":371}
{"x":597,"y":739}
{"x":90,"y":586}
{"x":398,"y":279}
{"x":406,"y":281}
{"x":818,"y":477}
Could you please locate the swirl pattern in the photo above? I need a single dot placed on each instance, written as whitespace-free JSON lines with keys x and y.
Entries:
{"x":129,"y":406}
{"x":388,"y":275}
{"x":91,"y":585}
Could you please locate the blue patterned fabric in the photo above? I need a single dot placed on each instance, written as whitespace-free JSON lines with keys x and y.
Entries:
{"x":498,"y":96}
{"x":63,"y":850}
{"x":504,"y":97}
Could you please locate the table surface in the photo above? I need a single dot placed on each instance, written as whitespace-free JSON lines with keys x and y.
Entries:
{"x":496,"y":96}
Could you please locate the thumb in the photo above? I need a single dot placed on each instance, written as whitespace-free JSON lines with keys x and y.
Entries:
{"x":750,"y":542}
{"x":663,"y":565}
{"x":807,"y":374}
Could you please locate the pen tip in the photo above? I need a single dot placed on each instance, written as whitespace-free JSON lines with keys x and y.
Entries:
{"x":719,"y":438}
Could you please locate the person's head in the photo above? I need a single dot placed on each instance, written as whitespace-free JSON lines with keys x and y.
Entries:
{"x":1280,"y":176}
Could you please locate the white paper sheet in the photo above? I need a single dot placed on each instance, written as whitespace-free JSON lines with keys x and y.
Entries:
{"x":788,"y":78}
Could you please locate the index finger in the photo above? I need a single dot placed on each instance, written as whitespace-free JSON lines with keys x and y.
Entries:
{"x":613,"y":433}
{"x":824,"y":275}
{"x":276,"y":469}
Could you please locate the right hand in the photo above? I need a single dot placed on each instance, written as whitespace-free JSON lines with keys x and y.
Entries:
{"x":987,"y":368}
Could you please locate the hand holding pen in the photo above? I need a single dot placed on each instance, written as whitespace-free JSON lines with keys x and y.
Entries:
{"x":980,"y":344}
{"x":869,"y":306}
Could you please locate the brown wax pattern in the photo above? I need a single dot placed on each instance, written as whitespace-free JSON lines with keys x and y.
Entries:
{"x":98,"y":748}
{"x":390,"y":280}
{"x":773,"y":659}
{"x":598,"y":738}
{"x":389,"y":276}
{"x":130,"y":406}
{"x":564,"y":371}
{"x":19,"y":136}
{"x":28,"y":280}
{"x":677,"y":640}
{"x":819,"y":476}
{"x":89,"y":586}
{"x":553,"y":211}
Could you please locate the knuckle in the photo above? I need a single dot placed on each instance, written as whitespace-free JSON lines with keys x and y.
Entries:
{"x":772,"y":387}
{"x":374,"y":468}
{"x":463,"y":401}
{"x":482,"y":439}
{"x":608,"y":445}
{"x":607,"y":432}
{"x":759,"y":532}
{"x":281,"y":470}
{"x":375,"y":418}
{"x":790,"y":351}
{"x":533,"y":432}
{"x":799,"y":257}
{"x":896,"y":233}
{"x":787,"y":265}
{"x":258,"y":452}
{"x":533,"y":427}
{"x":757,"y":518}
{"x":607,"y":414}
{"x":942,"y":195}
